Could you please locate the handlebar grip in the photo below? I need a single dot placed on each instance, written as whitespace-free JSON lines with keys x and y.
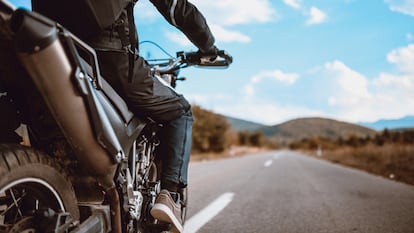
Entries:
{"x":226,"y":56}
{"x":218,"y":58}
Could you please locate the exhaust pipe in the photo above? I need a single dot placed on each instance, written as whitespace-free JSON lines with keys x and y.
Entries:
{"x":43,"y":55}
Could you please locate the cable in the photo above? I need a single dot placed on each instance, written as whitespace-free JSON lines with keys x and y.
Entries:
{"x":158,"y":46}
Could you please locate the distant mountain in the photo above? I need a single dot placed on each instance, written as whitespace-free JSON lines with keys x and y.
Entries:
{"x":315,"y":127}
{"x":243,"y":125}
{"x":405,"y":122}
{"x":303,"y":128}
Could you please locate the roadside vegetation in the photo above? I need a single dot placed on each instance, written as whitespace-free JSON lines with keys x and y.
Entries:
{"x":213,"y":137}
{"x":389,"y":153}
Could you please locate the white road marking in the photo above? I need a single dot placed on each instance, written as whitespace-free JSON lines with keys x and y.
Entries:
{"x":205,"y":215}
{"x":268,"y":163}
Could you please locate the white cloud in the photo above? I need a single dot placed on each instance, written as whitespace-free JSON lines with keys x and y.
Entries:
{"x":293,"y":3}
{"x":389,"y":80}
{"x":249,"y":90}
{"x":275,"y":75}
{"x":348,"y":94}
{"x":221,"y":17}
{"x":220,"y":34}
{"x":333,"y":90}
{"x":206,"y":99}
{"x":400,"y":85}
{"x":354,"y":97}
{"x":226,"y":35}
{"x":144,"y":11}
{"x":351,"y":87}
{"x":403,"y":58}
{"x":232,"y":12}
{"x":402,"y":6}
{"x":224,"y":12}
{"x":179,"y":38}
{"x":269,"y":113}
{"x":288,"y":78}
{"x":317,"y":16}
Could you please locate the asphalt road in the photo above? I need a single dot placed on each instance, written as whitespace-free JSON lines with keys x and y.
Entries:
{"x":284,"y":191}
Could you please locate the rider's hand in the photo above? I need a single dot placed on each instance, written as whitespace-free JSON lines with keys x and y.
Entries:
{"x":213,"y":51}
{"x":201,"y":56}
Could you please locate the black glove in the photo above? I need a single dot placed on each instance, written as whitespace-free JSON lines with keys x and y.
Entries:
{"x":211,"y":54}
{"x":213,"y":51}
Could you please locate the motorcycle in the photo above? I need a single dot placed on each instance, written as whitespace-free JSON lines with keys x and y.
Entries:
{"x":107,"y":178}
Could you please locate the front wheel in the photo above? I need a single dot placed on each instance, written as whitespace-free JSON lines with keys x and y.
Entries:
{"x":30,"y":183}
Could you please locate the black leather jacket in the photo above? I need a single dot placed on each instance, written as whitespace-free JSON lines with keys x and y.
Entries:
{"x":186,"y":17}
{"x":179,"y":13}
{"x":144,"y":94}
{"x":77,"y":17}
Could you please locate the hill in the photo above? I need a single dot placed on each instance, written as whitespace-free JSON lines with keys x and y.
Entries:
{"x":405,"y":122}
{"x":314,"y":127}
{"x":243,"y":125}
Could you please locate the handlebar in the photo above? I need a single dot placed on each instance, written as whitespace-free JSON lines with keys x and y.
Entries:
{"x":218,"y":59}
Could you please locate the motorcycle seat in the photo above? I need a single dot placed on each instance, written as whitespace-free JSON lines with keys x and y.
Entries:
{"x":112,"y":95}
{"x":117,"y":101}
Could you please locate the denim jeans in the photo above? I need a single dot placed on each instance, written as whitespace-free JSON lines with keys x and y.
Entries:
{"x":174,"y":149}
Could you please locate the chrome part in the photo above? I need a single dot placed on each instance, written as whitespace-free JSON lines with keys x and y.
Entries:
{"x":167,"y":68}
{"x":133,"y":160}
{"x":20,"y":200}
{"x":168,"y":78}
{"x":134,"y":197}
{"x":119,"y":157}
{"x":36,"y":181}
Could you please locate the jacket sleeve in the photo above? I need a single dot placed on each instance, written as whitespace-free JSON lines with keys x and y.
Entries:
{"x":186,"y":17}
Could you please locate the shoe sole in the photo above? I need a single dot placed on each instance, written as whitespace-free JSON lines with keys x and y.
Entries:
{"x":163,"y":213}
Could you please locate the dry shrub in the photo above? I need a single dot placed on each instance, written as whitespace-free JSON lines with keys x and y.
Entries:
{"x":394,"y":161}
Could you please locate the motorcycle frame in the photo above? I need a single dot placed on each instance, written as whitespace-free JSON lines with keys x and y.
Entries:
{"x":94,"y":119}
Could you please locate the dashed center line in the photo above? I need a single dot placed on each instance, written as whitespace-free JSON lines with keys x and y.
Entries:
{"x":205,"y":215}
{"x":268,"y":163}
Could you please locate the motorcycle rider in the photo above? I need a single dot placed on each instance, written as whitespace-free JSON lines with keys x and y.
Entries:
{"x":129,"y":74}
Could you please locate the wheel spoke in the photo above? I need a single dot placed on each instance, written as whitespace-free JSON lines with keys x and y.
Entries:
{"x":38,"y":183}
{"x":16,"y":202}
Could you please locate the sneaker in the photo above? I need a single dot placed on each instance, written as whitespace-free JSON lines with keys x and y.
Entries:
{"x":167,"y":210}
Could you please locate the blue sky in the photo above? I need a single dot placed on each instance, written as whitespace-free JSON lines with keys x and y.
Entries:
{"x":350,"y":60}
